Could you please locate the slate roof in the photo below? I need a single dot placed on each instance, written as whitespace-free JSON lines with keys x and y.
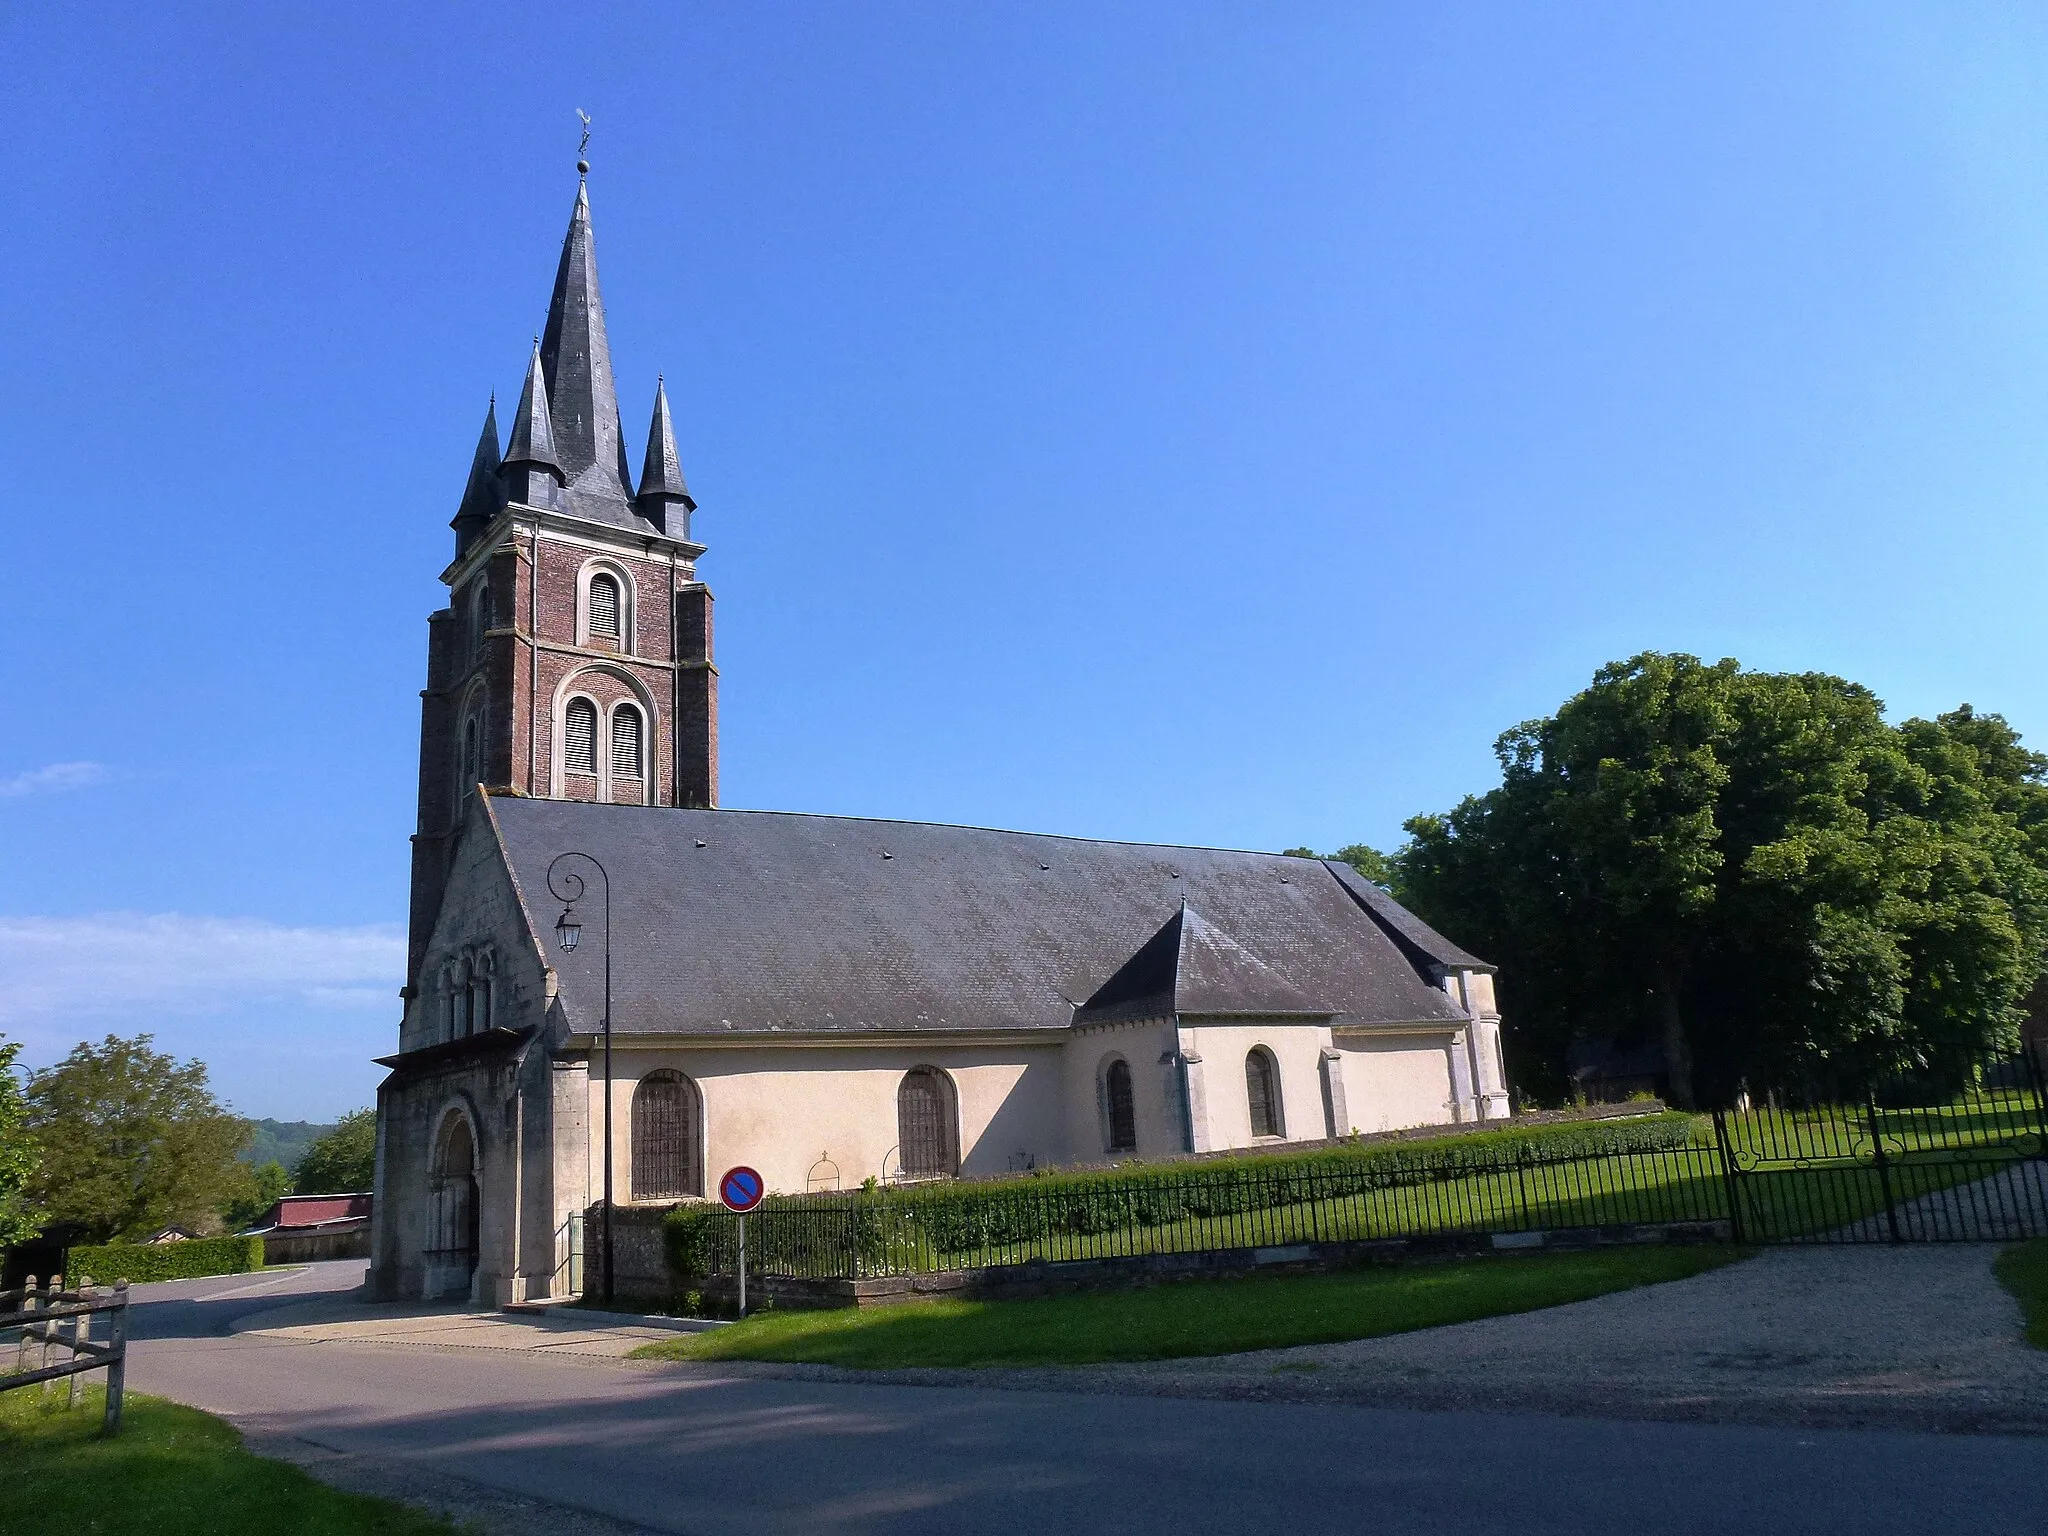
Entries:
{"x":1190,"y":966}
{"x":743,"y":922}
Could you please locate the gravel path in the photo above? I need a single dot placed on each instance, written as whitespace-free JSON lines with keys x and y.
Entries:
{"x":1915,"y":1337}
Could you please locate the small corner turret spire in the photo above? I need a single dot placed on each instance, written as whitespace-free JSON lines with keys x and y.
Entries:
{"x":532,"y":470}
{"x":483,"y":497}
{"x":661,"y":477}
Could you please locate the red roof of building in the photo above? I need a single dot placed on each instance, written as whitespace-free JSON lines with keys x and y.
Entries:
{"x":317,"y":1210}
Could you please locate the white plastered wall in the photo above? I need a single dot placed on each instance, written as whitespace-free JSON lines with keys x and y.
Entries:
{"x":1155,"y":1090}
{"x":1297,"y":1048}
{"x":783,"y":1109}
{"x":1393,"y":1081}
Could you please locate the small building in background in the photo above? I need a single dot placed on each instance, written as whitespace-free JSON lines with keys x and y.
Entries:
{"x":300,"y":1229}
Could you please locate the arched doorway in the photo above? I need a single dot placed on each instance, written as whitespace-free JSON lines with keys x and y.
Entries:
{"x":455,"y":1209}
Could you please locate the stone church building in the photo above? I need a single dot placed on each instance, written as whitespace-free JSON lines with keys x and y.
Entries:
{"x":826,"y":998}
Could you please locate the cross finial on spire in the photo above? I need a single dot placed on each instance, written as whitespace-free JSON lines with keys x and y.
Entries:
{"x":583,"y":147}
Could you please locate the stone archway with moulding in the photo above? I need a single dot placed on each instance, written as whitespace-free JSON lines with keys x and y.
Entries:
{"x":454,"y":1248}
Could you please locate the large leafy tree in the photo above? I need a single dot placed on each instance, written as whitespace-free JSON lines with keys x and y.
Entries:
{"x":131,"y":1140}
{"x":1753,"y":869}
{"x":344,"y":1161}
{"x":18,"y":1219}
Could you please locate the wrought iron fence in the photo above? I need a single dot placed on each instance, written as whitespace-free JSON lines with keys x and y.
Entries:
{"x":1966,"y":1165}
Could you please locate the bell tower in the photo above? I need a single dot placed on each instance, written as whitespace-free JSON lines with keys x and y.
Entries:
{"x":573,"y":660}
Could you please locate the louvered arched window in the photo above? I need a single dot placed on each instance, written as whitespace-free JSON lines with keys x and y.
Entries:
{"x":626,"y":737}
{"x":579,"y":737}
{"x":1262,"y":1088}
{"x":479,"y":618}
{"x":604,"y":608}
{"x":472,"y":753}
{"x":928,"y":1140}
{"x":665,"y":1138}
{"x":1120,"y":1107}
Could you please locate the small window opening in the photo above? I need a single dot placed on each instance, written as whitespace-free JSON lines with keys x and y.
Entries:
{"x":604,"y":608}
{"x":1123,"y":1115}
{"x":1262,"y":1088}
{"x":580,"y":737}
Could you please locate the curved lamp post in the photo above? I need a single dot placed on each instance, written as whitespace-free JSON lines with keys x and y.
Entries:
{"x":567,"y":887}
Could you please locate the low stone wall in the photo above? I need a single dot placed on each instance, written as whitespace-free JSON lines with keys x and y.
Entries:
{"x":642,"y":1263}
{"x":311,"y":1247}
{"x":1013,"y":1282}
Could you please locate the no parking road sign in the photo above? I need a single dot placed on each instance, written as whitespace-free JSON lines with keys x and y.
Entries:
{"x":741,"y":1189}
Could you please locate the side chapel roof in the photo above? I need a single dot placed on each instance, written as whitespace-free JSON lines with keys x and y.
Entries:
{"x":743,"y":922}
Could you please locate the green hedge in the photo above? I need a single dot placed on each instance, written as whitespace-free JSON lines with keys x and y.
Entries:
{"x":190,"y":1259}
{"x":919,"y":1227}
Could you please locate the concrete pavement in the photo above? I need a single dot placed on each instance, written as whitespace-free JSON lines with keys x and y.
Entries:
{"x":704,"y":1448}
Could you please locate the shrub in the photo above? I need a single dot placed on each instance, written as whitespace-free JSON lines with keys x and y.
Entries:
{"x":188,"y":1260}
{"x":869,"y":1232}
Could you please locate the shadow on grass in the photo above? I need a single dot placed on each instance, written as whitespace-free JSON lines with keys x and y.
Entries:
{"x":172,"y":1470}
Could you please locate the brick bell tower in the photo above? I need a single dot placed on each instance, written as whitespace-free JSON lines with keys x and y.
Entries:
{"x":574,"y":658}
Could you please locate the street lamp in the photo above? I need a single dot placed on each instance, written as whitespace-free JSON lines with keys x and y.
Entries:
{"x":567,"y":887}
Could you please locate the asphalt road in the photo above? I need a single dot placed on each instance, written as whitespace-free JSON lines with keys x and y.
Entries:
{"x":702,"y":1449}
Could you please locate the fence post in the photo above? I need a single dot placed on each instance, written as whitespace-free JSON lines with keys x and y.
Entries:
{"x":117,"y":1360}
{"x":81,"y":1328}
{"x":1522,"y":1182}
{"x":28,"y":1305}
{"x":1729,"y":1176}
{"x":1884,"y":1165}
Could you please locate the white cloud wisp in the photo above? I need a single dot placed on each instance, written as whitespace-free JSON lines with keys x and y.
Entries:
{"x":53,"y":779}
{"x":63,"y":972}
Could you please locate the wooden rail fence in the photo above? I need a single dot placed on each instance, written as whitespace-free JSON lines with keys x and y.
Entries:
{"x":51,"y":1318}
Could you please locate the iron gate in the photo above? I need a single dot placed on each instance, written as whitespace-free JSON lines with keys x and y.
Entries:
{"x":1906,"y":1160}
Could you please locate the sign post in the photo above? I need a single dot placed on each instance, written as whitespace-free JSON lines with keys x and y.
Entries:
{"x":739,"y":1192}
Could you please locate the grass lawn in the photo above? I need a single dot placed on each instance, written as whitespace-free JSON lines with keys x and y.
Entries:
{"x":171,"y":1470}
{"x":1197,"y":1318}
{"x":2023,"y":1270}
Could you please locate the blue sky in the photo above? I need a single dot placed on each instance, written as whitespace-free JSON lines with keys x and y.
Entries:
{"x":1209,"y":424}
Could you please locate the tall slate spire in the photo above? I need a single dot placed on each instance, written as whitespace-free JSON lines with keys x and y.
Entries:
{"x":661,"y":477}
{"x":582,"y":398}
{"x":483,"y":497}
{"x":532,"y":470}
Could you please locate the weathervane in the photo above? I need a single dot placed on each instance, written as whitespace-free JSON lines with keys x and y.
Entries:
{"x":583,"y":148}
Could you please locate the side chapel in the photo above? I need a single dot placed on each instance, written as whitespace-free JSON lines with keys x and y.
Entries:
{"x":826,"y":998}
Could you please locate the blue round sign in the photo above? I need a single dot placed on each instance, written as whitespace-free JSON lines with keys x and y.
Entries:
{"x":741,"y":1189}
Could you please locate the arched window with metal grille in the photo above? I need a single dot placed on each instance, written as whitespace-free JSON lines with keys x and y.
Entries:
{"x":626,"y":743}
{"x":579,"y":737}
{"x":1119,"y":1108}
{"x":927,"y":1132}
{"x":665,"y":1164}
{"x":1262,"y":1088}
{"x":604,"y":608}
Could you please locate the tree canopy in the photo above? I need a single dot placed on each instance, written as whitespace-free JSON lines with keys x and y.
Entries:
{"x":342,"y":1162}
{"x":18,"y":1219}
{"x":1753,"y":869}
{"x":131,"y":1140}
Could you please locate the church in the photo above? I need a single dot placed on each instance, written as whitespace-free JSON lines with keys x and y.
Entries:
{"x":601,"y":957}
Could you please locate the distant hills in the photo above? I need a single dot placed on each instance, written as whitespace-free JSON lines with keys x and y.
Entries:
{"x":281,"y":1141}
